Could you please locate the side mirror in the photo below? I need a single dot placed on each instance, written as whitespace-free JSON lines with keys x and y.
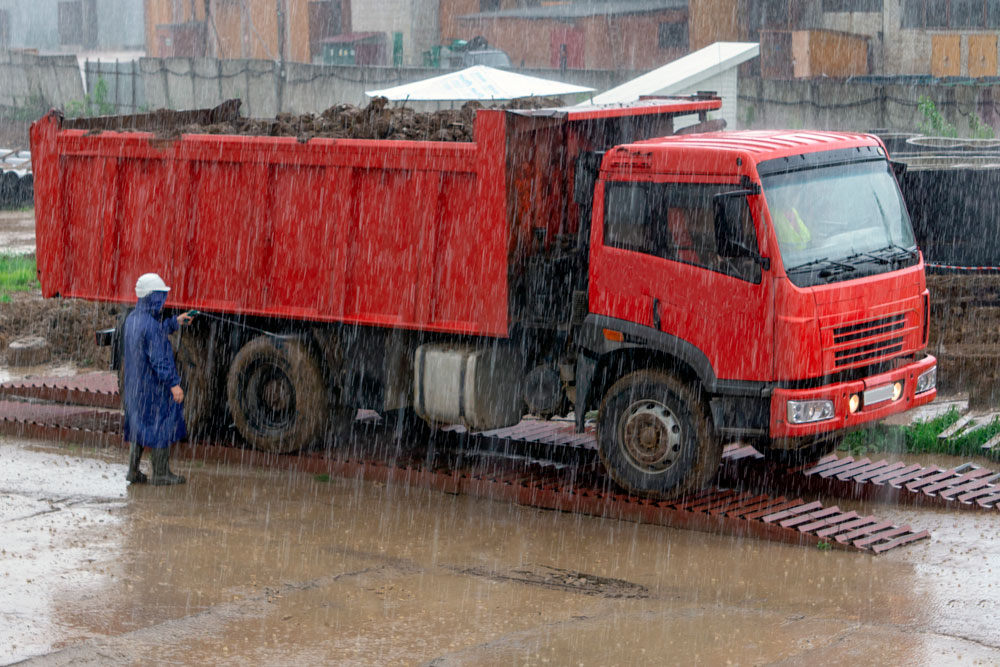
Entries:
{"x":731,"y":223}
{"x":898,"y":168}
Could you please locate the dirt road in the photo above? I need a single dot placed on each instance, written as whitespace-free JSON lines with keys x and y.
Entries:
{"x":17,"y":231}
{"x":245,"y":566}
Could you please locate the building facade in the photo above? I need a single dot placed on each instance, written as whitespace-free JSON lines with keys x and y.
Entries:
{"x":625,"y":35}
{"x":264,"y":29}
{"x":896,"y":37}
{"x":60,"y":25}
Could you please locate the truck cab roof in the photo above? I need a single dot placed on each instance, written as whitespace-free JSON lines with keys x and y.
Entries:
{"x":723,"y":152}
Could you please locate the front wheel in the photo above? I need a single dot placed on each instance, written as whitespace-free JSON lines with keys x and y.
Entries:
{"x":655,"y":437}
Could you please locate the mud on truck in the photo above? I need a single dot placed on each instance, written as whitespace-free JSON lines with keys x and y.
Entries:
{"x":687,"y":288}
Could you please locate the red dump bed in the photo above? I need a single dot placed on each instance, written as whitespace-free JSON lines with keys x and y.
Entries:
{"x":411,"y":234}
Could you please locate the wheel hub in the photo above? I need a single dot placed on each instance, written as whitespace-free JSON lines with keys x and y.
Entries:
{"x":651,"y":436}
{"x":269,"y":398}
{"x":275,"y":394}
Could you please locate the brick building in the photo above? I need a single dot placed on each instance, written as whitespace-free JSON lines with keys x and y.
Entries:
{"x":834,"y":38}
{"x":624,"y":35}
{"x":244,"y":28}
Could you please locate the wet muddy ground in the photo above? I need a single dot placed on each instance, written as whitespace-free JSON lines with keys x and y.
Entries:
{"x":17,"y":231}
{"x":249,"y":566}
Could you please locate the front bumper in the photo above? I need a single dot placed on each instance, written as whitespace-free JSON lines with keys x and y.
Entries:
{"x":840,"y":394}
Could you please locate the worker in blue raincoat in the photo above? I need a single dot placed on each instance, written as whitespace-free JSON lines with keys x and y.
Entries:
{"x":152,"y":393}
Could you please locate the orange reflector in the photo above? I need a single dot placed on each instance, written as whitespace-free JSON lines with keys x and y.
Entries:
{"x":616,"y":336}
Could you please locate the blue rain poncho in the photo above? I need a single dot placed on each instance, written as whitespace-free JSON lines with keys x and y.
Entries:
{"x":152,"y":418}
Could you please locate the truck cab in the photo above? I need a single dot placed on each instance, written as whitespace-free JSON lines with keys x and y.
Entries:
{"x":763,"y":286}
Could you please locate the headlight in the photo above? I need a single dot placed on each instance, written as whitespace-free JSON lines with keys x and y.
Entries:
{"x":926,"y":381}
{"x":804,"y":412}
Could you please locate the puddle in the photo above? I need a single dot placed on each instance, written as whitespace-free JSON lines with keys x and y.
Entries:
{"x":564,"y":580}
{"x":271,"y":567}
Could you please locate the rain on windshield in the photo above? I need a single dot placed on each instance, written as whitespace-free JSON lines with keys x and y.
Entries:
{"x":849,"y":216}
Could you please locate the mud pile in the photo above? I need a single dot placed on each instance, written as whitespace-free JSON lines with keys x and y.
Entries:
{"x":965,"y":335}
{"x":68,"y":326}
{"x":378,"y":120}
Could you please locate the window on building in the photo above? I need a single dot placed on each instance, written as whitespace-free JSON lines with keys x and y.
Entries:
{"x":672,"y":35}
{"x":993,"y":14}
{"x":852,"y":5}
{"x":967,"y":14}
{"x":952,"y":14}
{"x":936,"y":14}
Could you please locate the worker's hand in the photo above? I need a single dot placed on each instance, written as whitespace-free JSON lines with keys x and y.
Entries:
{"x":184,"y":319}
{"x":177,"y":393}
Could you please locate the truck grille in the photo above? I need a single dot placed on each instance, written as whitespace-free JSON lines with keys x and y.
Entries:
{"x":863,"y":334}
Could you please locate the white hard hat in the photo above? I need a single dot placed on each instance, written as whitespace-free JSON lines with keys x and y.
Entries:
{"x":148,"y":283}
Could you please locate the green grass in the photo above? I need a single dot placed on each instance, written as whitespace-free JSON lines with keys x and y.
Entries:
{"x":17,"y":274}
{"x":921,"y":438}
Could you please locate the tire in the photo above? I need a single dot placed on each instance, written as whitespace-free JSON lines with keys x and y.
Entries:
{"x":118,"y":352}
{"x":277,"y":395}
{"x":655,"y":437}
{"x":200,"y":382}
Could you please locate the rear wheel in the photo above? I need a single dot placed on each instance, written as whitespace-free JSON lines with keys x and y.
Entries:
{"x":118,"y":352}
{"x":277,"y":395}
{"x":655,"y":436}
{"x":202,"y":393}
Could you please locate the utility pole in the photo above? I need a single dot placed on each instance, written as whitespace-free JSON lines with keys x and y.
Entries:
{"x":280,"y":7}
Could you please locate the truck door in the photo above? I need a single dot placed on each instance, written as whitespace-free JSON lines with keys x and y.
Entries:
{"x":656,"y":262}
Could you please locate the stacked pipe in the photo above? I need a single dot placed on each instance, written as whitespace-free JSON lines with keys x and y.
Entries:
{"x":17,"y":184}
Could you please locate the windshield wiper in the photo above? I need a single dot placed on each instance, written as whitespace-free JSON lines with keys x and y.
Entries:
{"x":874,"y":258}
{"x":829,"y":263}
{"x":900,"y":253}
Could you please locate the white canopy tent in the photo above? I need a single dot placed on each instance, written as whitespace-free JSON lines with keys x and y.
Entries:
{"x":478,"y":82}
{"x":711,"y":68}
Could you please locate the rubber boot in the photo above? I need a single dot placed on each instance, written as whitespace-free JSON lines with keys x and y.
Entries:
{"x":134,"y":475}
{"x":161,"y":470}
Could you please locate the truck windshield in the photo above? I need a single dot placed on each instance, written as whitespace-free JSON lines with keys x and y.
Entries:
{"x":839,"y":222}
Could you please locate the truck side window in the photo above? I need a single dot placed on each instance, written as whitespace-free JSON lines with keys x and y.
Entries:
{"x":674,"y":221}
{"x":629,"y":220}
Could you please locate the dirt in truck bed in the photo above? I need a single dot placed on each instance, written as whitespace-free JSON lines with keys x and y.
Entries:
{"x":378,"y":120}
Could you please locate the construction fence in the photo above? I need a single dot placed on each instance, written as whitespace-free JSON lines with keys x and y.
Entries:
{"x":267,"y":87}
{"x":29,"y":81}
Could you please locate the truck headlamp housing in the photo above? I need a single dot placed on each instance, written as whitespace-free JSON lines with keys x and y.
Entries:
{"x":926,"y":381}
{"x":806,"y":412}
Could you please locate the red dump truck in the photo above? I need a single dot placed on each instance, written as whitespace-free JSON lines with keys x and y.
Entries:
{"x":691,"y":288}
